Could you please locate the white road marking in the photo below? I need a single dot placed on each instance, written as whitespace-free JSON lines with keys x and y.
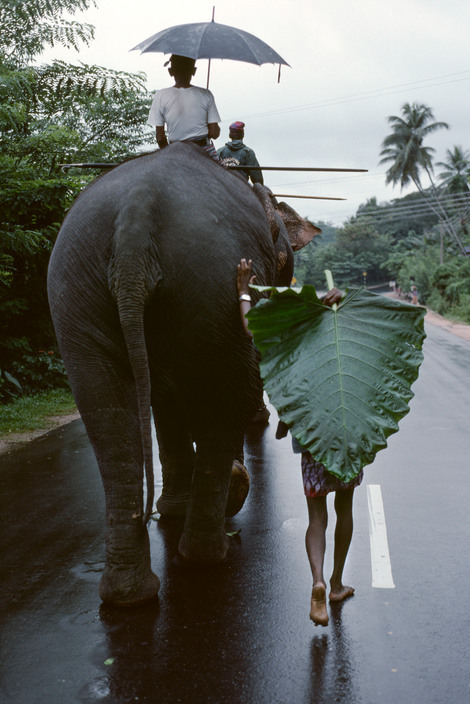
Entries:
{"x":379,"y":554}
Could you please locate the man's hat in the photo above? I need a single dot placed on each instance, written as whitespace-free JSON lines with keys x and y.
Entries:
{"x":237,"y":126}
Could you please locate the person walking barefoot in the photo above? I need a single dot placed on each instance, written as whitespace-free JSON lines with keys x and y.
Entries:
{"x":318,"y":483}
{"x":315,"y":539}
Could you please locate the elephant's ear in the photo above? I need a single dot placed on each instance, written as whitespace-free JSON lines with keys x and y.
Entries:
{"x":299,"y":230}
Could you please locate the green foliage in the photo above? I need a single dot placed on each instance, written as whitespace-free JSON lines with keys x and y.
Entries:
{"x":32,"y":412}
{"x":357,"y":248}
{"x":49,"y":115}
{"x":404,"y":146}
{"x":407,"y":238}
{"x":41,"y":371}
{"x":29,"y":27}
{"x":341,"y":380}
{"x":31,"y":373}
{"x":398,"y":217}
{"x":456,"y":171}
{"x":413,"y":259}
{"x":409,"y":157}
{"x":451,"y":284}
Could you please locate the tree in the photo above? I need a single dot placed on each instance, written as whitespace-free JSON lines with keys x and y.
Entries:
{"x":404,"y":147}
{"x":358,"y":247}
{"x":49,"y":114}
{"x":454,"y":177}
{"x":29,"y":27}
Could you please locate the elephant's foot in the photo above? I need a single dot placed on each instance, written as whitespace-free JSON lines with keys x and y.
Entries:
{"x":128,"y":579}
{"x":238,"y":490}
{"x":195,"y":547}
{"x":119,"y":587}
{"x":172,"y":505}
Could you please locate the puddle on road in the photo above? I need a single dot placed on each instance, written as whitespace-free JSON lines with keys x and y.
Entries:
{"x":89,"y":571}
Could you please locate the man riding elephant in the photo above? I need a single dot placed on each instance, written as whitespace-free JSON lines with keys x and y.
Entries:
{"x":188,"y":111}
{"x":237,"y":153}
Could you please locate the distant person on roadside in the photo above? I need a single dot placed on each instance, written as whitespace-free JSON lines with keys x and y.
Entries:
{"x":414,"y":295}
{"x":237,"y":153}
{"x":318,"y":483}
{"x":189,"y":112}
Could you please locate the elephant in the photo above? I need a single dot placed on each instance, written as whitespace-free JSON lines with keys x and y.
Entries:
{"x":142,"y":293}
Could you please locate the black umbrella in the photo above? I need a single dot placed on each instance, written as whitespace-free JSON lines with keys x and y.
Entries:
{"x":211,"y":40}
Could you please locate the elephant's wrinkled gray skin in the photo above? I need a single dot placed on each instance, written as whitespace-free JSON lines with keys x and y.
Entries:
{"x":142,"y":289}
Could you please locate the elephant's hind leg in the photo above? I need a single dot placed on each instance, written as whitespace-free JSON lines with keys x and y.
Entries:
{"x":108,"y":407}
{"x":204,"y":538}
{"x":127,"y":579}
{"x":177,"y":457}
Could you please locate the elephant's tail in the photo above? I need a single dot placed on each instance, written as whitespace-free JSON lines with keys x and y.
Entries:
{"x":133,"y":273}
{"x":132,"y":325}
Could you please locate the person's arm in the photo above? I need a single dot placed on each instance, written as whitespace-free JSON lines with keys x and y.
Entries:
{"x":213,"y":130}
{"x":255,"y":175}
{"x":213,"y":117}
{"x":161,"y":137}
{"x":244,"y":279}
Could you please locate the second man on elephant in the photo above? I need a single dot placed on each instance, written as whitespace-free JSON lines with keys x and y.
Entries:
{"x":236,"y":152}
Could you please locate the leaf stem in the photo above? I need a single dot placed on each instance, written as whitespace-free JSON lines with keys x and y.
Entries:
{"x":330,"y":284}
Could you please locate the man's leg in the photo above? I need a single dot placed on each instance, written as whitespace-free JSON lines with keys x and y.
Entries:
{"x":343,"y":535}
{"x":315,"y":541}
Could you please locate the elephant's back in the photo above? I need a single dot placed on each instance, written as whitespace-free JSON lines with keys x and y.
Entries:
{"x":199,"y":220}
{"x":180,"y":186}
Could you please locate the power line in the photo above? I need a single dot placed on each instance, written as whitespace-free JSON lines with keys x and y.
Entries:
{"x":413,"y":211}
{"x":367,"y":95}
{"x":384,"y":213}
{"x":416,"y":207}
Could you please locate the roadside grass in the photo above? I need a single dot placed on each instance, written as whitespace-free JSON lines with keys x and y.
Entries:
{"x":28,"y":413}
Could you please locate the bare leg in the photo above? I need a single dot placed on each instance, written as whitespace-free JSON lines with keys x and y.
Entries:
{"x":343,"y":535}
{"x":315,"y":541}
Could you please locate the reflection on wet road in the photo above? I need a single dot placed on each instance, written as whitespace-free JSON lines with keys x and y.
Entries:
{"x":240,"y":632}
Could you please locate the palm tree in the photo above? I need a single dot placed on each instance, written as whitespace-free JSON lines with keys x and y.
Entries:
{"x":454,"y":178}
{"x":404,"y":147}
{"x":409,"y":156}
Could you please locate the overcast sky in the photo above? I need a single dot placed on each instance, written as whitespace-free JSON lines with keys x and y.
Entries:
{"x":353,"y":63}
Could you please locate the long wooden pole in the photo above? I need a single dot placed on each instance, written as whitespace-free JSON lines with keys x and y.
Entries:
{"x":291,"y":168}
{"x":291,"y":195}
{"x":244,"y":168}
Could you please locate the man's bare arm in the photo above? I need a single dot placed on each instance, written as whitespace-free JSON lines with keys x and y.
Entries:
{"x":161,"y":137}
{"x":213,"y":130}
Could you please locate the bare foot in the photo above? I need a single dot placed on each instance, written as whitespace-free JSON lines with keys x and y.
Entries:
{"x":341,"y":593}
{"x":318,"y":612}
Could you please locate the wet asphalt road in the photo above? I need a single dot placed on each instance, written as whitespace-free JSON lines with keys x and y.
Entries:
{"x":240,"y":632}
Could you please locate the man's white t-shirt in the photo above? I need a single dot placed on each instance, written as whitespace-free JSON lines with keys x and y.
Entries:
{"x":185,"y":111}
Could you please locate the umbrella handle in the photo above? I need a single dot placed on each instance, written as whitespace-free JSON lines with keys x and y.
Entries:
{"x":209,"y":65}
{"x":330,"y":284}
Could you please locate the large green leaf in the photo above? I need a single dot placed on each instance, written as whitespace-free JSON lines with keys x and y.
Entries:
{"x":340,"y":379}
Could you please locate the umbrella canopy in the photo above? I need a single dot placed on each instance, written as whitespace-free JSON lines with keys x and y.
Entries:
{"x":211,"y":40}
